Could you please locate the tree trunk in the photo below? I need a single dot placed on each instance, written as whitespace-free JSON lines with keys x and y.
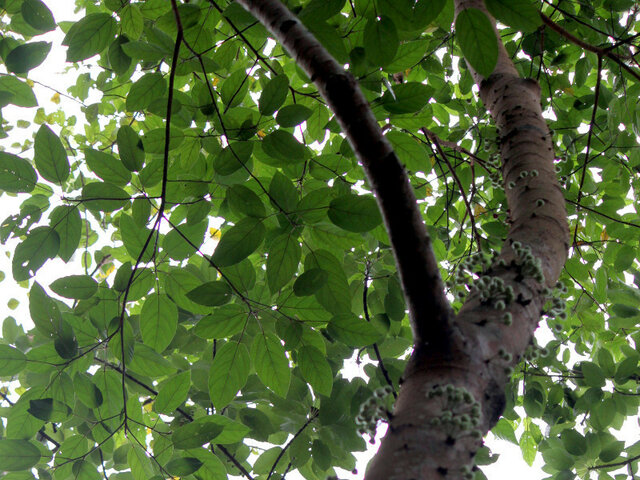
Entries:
{"x":453,"y":387}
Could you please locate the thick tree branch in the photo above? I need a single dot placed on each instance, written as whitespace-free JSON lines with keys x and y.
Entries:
{"x":429,"y":309}
{"x":486,"y":342}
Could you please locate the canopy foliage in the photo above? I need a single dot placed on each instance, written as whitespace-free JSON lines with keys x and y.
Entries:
{"x":219,"y":253}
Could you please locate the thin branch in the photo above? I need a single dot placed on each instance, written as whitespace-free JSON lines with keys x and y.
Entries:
{"x":365,"y":307}
{"x":586,"y":158}
{"x":617,"y":220}
{"x":599,"y":51}
{"x":430,"y":312}
{"x":314,"y":414}
{"x":616,"y":464}
{"x":235,"y":461}
{"x":181,"y":411}
{"x":460,"y":186}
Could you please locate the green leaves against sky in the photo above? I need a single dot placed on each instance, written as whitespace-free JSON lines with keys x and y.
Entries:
{"x":192,"y":297}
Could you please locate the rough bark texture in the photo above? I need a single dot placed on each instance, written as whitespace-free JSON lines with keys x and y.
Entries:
{"x":466,"y":353}
{"x":410,"y":241}
{"x":414,"y":449}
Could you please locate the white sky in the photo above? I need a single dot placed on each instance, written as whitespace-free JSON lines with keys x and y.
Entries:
{"x":52,"y":73}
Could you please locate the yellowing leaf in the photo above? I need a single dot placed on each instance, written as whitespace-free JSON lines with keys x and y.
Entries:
{"x":214,"y":233}
{"x":428,"y":191}
{"x":479,"y":210}
{"x":109,"y":271}
{"x":604,"y":236}
{"x":215,"y":81}
{"x":148,"y":407}
{"x":55,"y":98}
{"x":261,"y":133}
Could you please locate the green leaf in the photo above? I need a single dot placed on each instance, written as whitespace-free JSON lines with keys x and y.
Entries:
{"x":38,"y":15}
{"x":355,"y":213}
{"x":196,"y":433}
{"x":283,"y":260}
{"x":89,"y":36}
{"x":315,"y":369}
{"x":183,"y":240}
{"x":103,"y":196}
{"x":232,"y":157}
{"x":131,"y":21}
{"x":283,"y":193}
{"x":411,"y":14}
{"x":534,"y":400}
{"x":573,"y":442}
{"x":353,"y":331}
{"x":244,"y":201}
{"x":75,"y":286}
{"x":520,"y":14}
{"x":477,"y":40}
{"x":49,"y":410}
{"x":211,"y":294}
{"x":17,"y":92}
{"x":41,"y":244}
{"x":50,"y":156}
{"x":271,"y":363}
{"x":410,"y":152}
{"x":12,"y":361}
{"x":407,"y":97}
{"x":409,"y":55}
{"x":334,"y":295}
{"x":118,"y":59}
{"x":593,"y":374}
{"x":529,"y":447}
{"x":232,"y":431}
{"x":16,"y":455}
{"x":107,"y":167}
{"x":235,"y":88}
{"x":158,"y":321}
{"x":136,"y":238}
{"x":380,"y":41}
{"x":283,"y":146}
{"x":321,"y":454}
{"x":238,"y":242}
{"x":16,"y":174}
{"x":140,"y":464}
{"x":87,"y":391}
{"x":155,"y":140}
{"x":181,"y":467}
{"x":44,"y":311}
{"x":172,"y":393}
{"x":130,"y":148}
{"x":27,"y":56}
{"x":624,"y":259}
{"x":292,"y":115}
{"x":228,"y":374}
{"x":273,"y":95}
{"x":602,"y":414}
{"x":226,"y":322}
{"x":67,"y":224}
{"x":148,"y":88}
{"x":309,"y":282}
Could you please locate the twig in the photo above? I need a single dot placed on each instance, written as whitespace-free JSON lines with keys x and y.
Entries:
{"x":460,"y":186}
{"x":314,"y":414}
{"x":599,"y":51}
{"x":586,"y":158}
{"x":383,"y":369}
